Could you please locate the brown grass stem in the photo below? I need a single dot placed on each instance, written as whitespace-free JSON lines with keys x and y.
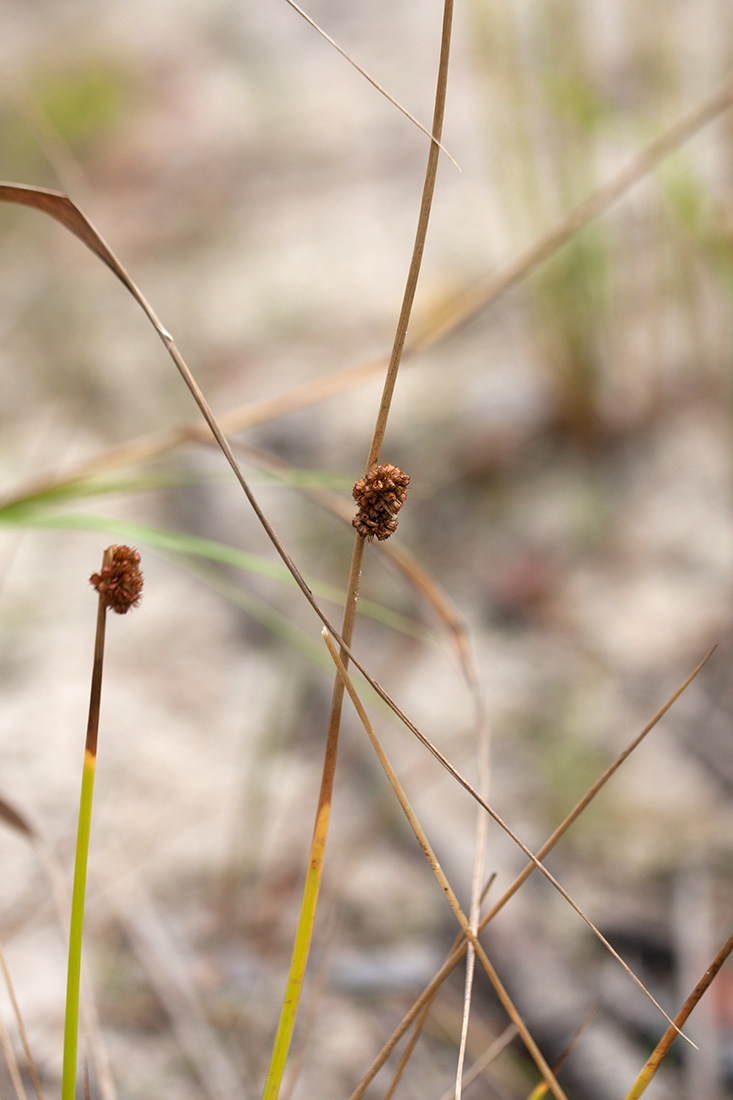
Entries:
{"x":320,"y":832}
{"x":71,"y":1018}
{"x":409,"y":1050}
{"x":95,"y":694}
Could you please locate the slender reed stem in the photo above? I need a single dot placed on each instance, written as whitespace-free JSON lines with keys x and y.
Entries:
{"x":119,"y":584}
{"x":304,"y":931}
{"x":71,"y":1021}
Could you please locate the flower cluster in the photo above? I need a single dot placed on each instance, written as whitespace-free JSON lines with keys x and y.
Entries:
{"x":380,"y":495}
{"x":120,"y":582}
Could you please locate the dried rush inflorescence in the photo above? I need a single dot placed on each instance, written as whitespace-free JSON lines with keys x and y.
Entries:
{"x":120,"y":582}
{"x":380,"y":495}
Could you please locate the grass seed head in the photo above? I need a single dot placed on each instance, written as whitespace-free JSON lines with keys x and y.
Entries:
{"x":120,"y":581}
{"x":380,"y":495}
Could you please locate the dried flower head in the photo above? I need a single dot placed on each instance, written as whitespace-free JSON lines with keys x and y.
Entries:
{"x":380,"y":495}
{"x":120,"y":581}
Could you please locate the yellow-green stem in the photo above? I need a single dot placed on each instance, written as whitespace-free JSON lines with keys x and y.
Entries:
{"x":71,"y":1023}
{"x":71,"y":1019}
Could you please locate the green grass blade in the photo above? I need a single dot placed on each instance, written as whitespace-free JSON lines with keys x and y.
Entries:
{"x":71,"y":1020}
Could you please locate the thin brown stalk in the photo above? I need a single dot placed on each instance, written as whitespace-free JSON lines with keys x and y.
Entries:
{"x":352,"y":594}
{"x":95,"y":694}
{"x":302,"y":941}
{"x":459,"y":949}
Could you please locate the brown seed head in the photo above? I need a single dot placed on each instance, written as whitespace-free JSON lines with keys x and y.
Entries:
{"x":380,"y":495}
{"x":120,"y":582}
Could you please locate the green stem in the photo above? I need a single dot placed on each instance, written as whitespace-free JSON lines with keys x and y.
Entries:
{"x":71,"y":1023}
{"x":71,"y":1020}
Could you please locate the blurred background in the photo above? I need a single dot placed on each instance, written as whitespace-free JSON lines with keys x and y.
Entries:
{"x":569,"y":449}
